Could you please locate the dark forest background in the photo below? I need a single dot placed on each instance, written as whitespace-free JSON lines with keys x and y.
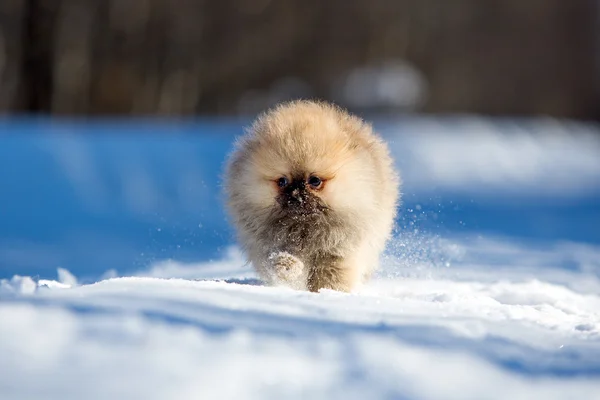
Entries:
{"x":223,"y":57}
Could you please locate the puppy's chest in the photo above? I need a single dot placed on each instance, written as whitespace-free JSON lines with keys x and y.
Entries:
{"x":298,"y":232}
{"x":307,"y":236}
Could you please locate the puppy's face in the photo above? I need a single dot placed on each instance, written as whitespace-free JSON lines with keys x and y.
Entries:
{"x":305,"y":168}
{"x":298,"y":193}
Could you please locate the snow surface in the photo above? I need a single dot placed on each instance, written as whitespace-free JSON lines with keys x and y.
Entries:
{"x":445,"y":325}
{"x":119,"y":278}
{"x":517,"y":158}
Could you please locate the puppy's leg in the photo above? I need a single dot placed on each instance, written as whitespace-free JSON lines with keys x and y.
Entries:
{"x":335,"y":274}
{"x":286,"y":269}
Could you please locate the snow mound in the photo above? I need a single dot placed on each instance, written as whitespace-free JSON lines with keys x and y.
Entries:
{"x":444,"y":333}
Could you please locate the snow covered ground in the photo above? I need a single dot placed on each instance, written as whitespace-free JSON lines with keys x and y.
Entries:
{"x":418,"y":331}
{"x":489,"y":290}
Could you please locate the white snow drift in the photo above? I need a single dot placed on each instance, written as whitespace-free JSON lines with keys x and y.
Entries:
{"x":421,"y":330}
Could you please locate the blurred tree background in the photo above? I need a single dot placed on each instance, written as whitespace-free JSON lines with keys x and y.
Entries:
{"x":224,"y":57}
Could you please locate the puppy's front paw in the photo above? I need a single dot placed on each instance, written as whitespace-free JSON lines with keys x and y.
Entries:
{"x":285,"y":267}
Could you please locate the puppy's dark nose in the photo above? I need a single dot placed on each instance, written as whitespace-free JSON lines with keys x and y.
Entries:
{"x":295,"y":191}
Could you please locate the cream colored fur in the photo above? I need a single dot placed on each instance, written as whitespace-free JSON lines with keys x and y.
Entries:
{"x":337,"y":247}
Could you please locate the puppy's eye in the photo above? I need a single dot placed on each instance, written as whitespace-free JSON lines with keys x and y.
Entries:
{"x":282,"y":182}
{"x":315,"y":182}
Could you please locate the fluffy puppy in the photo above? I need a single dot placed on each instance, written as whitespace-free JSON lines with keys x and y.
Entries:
{"x":312,"y":193}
